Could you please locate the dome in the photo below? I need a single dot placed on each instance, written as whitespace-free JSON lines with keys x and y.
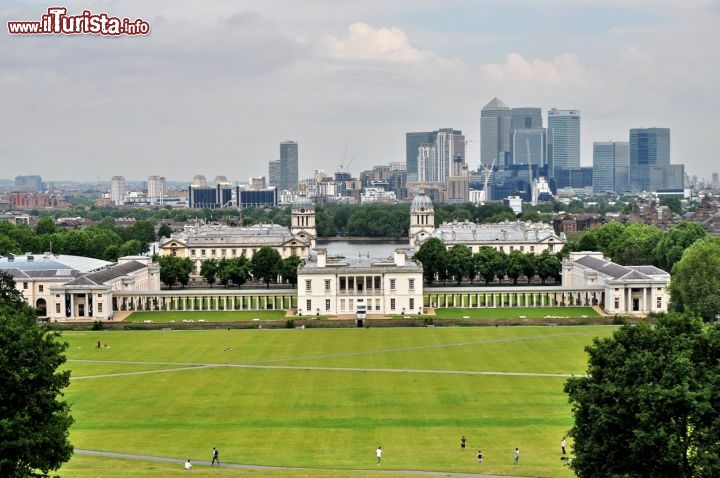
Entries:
{"x":421,"y":201}
{"x":303,"y":202}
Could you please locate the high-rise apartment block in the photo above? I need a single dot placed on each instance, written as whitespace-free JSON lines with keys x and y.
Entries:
{"x":156,"y":190}
{"x":118,"y":190}
{"x":563,"y":138}
{"x":412,"y":143}
{"x":29,"y":183}
{"x":649,"y":155}
{"x":611,"y":166}
{"x":442,"y":155}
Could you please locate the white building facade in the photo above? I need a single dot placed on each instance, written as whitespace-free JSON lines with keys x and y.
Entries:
{"x":336,"y":286}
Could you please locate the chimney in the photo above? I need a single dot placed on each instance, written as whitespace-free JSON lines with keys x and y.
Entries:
{"x":322,"y":257}
{"x":399,"y":257}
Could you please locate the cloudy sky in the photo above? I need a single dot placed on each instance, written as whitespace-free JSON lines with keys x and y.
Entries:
{"x":217,"y":84}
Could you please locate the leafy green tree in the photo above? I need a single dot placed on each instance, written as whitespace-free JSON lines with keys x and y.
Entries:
{"x":164,"y":231}
{"x":45,"y":225}
{"x":673,"y":203}
{"x":34,"y":420}
{"x":324,"y":223}
{"x":647,"y":405}
{"x":209,"y":269}
{"x":174,"y":270}
{"x":433,"y":257}
{"x":515,"y":263}
{"x":547,"y":265}
{"x":266,"y":265}
{"x":289,"y":269}
{"x":603,"y":237}
{"x":8,"y":245}
{"x":133,"y":247}
{"x":459,"y":257}
{"x":695,"y":285}
{"x":488,"y":262}
{"x":528,"y":266}
{"x":673,"y":243}
{"x":238,"y":270}
{"x":636,"y":244}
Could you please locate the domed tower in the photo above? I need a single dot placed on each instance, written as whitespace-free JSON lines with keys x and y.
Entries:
{"x":302,"y":220}
{"x":422,"y":219}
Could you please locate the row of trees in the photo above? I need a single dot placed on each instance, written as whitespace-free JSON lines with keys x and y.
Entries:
{"x":459,"y":263}
{"x":266,"y":265}
{"x":101,"y":241}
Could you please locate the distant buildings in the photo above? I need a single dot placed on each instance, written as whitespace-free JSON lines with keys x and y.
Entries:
{"x":117,"y":190}
{"x":563,"y":139}
{"x":29,"y":183}
{"x":611,"y":166}
{"x":649,"y":158}
{"x":156,"y":190}
{"x":495,"y":122}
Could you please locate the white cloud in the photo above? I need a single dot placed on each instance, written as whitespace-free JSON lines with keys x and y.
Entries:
{"x":363,"y":42}
{"x":564,"y":68}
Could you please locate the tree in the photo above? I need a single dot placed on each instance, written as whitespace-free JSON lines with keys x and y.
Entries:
{"x":546,"y":265}
{"x":648,"y":403}
{"x":133,"y":247}
{"x":174,"y":270}
{"x":34,"y":420}
{"x":635,"y":245}
{"x":265,"y":264}
{"x":673,"y":243}
{"x":459,"y":258}
{"x":433,"y":257}
{"x":45,"y":225}
{"x":515,"y":265}
{"x":528,"y":266}
{"x":487,"y":261}
{"x":209,"y":269}
{"x":164,"y":231}
{"x":695,"y":285}
{"x":290,"y":268}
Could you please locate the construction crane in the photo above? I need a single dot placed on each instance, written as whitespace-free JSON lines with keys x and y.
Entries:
{"x":342,"y":160}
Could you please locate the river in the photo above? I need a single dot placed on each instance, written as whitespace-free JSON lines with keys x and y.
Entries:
{"x":373,"y":249}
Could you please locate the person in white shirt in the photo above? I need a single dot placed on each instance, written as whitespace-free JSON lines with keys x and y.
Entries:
{"x":188,"y":465}
{"x":378,"y":453}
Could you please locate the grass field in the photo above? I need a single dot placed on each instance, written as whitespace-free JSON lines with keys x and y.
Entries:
{"x":319,"y":401}
{"x":207,"y":316}
{"x":515,"y":313}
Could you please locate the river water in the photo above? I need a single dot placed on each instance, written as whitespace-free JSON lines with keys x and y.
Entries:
{"x":373,"y":249}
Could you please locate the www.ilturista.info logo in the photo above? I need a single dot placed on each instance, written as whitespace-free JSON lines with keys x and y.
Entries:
{"x":58,"y":22}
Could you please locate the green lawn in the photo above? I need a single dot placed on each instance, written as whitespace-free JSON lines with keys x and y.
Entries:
{"x":323,"y":399}
{"x":516,"y":313}
{"x":207,"y":316}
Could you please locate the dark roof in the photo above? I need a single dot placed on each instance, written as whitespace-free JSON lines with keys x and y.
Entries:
{"x":105,"y":275}
{"x":616,"y":271}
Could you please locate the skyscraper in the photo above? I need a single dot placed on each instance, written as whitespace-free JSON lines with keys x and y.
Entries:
{"x":529,"y":146}
{"x":495,"y":119}
{"x":563,"y":138}
{"x":450,"y":145}
{"x":155,"y":190}
{"x":117,"y":190}
{"x":525,"y":118}
{"x":289,"y":165}
{"x":412,"y":143}
{"x":427,"y":164}
{"x":611,"y":166}
{"x":649,"y":148}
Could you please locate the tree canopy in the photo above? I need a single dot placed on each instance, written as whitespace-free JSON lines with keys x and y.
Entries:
{"x":266,"y":264}
{"x":695,"y":285}
{"x":648,"y":405}
{"x":34,"y":420}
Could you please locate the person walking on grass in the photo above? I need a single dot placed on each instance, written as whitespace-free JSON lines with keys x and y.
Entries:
{"x":479,"y":457}
{"x":516,"y":456}
{"x":463,"y":441}
{"x":378,"y":454}
{"x":562,"y":445}
{"x":215,"y":457}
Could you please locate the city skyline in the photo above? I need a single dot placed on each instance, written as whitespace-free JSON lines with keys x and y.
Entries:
{"x":215,"y":87}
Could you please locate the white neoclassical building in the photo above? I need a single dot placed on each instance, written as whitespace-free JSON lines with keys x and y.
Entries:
{"x":626,"y":289}
{"x":66,"y":287}
{"x":336,"y":286}
{"x":506,"y":236}
{"x":216,"y":241}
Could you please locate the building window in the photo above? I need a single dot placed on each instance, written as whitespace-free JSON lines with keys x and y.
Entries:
{"x":99,"y":306}
{"x":174,"y":252}
{"x":532,"y":248}
{"x":327,"y":285}
{"x":412,"y":304}
{"x":659,"y":302}
{"x":234,"y":252}
{"x":351,"y":283}
{"x":522,"y":248}
{"x":377,"y":283}
{"x":342,"y":305}
{"x":327,"y":304}
{"x":308,"y":285}
{"x":57,"y":308}
{"x":392,"y":284}
{"x":411,"y":284}
{"x":392,"y":304}
{"x":192,"y":252}
{"x":40,"y":288}
{"x":25,"y":285}
{"x":308,"y":305}
{"x":202,"y":252}
{"x":351,"y":304}
{"x":99,"y":296}
{"x":212,"y":252}
{"x":617,"y":303}
{"x":377,"y":304}
{"x":343,"y":284}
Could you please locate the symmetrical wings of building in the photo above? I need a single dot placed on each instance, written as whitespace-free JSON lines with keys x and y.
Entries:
{"x":214,"y":241}
{"x":505,"y":237}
